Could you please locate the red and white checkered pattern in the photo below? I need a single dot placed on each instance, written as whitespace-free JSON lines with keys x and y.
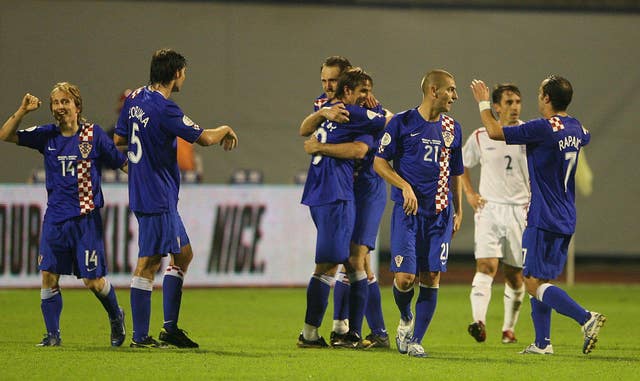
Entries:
{"x":83,"y":168}
{"x":442,"y":195}
{"x":556,"y":124}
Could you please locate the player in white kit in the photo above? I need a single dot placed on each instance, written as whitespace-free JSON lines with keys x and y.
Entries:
{"x":500,"y":214}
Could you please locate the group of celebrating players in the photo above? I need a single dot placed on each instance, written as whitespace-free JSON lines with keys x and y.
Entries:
{"x":524,"y":213}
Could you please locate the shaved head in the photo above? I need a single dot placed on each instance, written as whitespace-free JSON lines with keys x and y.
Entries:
{"x":434,"y":78}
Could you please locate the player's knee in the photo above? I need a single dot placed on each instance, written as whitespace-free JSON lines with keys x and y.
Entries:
{"x":49,"y":280}
{"x":95,"y":285}
{"x":404,"y":281}
{"x":487,"y":267}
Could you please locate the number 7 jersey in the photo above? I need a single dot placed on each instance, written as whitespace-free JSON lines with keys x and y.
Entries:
{"x":150,"y":122}
{"x":553,"y":146}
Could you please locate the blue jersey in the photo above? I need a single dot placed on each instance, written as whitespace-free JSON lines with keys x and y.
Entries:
{"x":553,"y":146}
{"x":319,"y":102}
{"x":425,"y":154}
{"x":330,"y":179}
{"x":151,"y":123}
{"x":73,"y":167}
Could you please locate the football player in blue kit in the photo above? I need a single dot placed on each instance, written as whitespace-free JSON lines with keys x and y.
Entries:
{"x":72,"y":239}
{"x":425,"y":146}
{"x":370,"y":198}
{"x":329,"y":194}
{"x":553,"y":145}
{"x":149,"y":123}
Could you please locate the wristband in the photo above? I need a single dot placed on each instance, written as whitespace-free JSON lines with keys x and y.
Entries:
{"x":484,"y":105}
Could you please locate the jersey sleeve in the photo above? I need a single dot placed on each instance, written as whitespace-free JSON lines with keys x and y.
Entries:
{"x":35,"y":137}
{"x":121,"y":125}
{"x":109,"y":154}
{"x":471,"y":150}
{"x":177,"y":123}
{"x":456,"y":165}
{"x":533,"y":131}
{"x":366,"y":139}
{"x":389,"y":140}
{"x":365,"y":120}
{"x":586,"y":137}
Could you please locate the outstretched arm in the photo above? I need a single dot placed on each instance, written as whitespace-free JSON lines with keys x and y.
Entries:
{"x":223,"y":135}
{"x":9,"y":128}
{"x":481,"y":94}
{"x":386,"y":171}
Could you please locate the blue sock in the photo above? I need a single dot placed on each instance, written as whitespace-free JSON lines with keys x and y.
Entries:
{"x":374,"y":310}
{"x":425,"y":308}
{"x":317,"y":299}
{"x":141,"y":307}
{"x":51,"y":306}
{"x":341,"y":298}
{"x":357,"y":301}
{"x":172,"y":296}
{"x":559,"y":300}
{"x":107,"y":296}
{"x":541,"y":316}
{"x":403,"y":301}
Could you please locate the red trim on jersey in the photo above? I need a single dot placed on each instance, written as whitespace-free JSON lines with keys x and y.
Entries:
{"x":477,"y":132}
{"x":83,"y":169}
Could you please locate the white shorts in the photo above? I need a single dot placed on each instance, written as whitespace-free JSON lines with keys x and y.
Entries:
{"x":498,"y":232}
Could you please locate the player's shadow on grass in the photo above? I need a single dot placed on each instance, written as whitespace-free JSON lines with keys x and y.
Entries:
{"x":520,"y":358}
{"x":173,"y":350}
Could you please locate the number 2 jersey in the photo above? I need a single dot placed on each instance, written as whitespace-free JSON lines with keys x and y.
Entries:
{"x":553,"y":146}
{"x":426,"y":155}
{"x":504,"y":177}
{"x":330,"y":179}
{"x":151,"y":123}
{"x":73,"y":167}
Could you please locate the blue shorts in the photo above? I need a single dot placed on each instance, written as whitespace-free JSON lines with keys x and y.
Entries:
{"x":420,"y":243}
{"x":545,"y":253}
{"x":75,"y":246}
{"x":158,"y":233}
{"x":182,"y":232}
{"x":371,"y":198}
{"x":334,"y":223}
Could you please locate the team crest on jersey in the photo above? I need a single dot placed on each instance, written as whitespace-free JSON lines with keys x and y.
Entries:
{"x":384,"y":141}
{"x":398,"y":260}
{"x":187,"y":121}
{"x":85,"y":149}
{"x":372,"y":114}
{"x":448,"y":138}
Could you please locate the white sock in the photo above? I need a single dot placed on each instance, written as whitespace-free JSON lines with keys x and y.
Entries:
{"x":480,"y":296}
{"x":341,"y":327}
{"x":310,"y":332}
{"x":512,"y":303}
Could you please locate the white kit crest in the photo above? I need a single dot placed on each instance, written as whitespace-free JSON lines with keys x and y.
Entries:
{"x":398,"y":259}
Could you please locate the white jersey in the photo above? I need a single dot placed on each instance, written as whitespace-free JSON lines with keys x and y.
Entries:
{"x":504,"y":177}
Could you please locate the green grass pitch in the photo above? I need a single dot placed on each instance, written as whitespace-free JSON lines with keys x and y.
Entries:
{"x":250,"y":334}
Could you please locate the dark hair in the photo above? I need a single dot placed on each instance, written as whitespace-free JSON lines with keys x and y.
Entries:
{"x":351,"y":78}
{"x":164,"y":65}
{"x":496,"y":95}
{"x":559,"y":91}
{"x":339,"y":61}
